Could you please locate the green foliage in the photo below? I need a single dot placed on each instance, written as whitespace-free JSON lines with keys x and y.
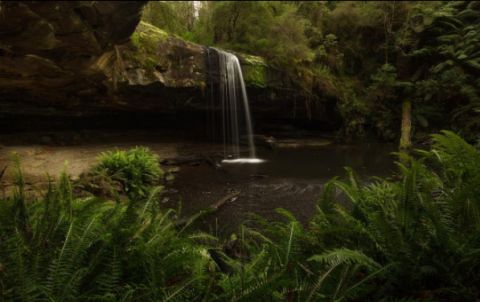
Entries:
{"x":137,"y":169}
{"x":423,"y":51}
{"x":368,"y":55}
{"x":147,"y":40}
{"x":147,"y":37}
{"x":64,"y":248}
{"x":423,"y":227}
{"x":263,"y":28}
{"x":254,"y":71}
{"x":176,"y":17}
{"x":353,"y":110}
{"x":415,"y":238}
{"x":447,"y":38}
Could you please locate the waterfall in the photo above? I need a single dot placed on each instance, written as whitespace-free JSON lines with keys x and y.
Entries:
{"x":232,"y":100}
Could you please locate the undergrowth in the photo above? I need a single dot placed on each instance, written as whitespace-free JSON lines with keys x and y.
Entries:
{"x":415,"y":238}
{"x":132,"y":172}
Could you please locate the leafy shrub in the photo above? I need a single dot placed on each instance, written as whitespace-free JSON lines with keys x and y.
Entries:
{"x":63,"y":248}
{"x":415,"y":238}
{"x":136,"y":169}
{"x":424,"y":228}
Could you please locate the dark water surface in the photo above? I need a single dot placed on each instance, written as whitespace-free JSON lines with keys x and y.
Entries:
{"x":290,"y":178}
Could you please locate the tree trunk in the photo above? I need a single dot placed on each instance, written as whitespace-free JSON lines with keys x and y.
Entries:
{"x":406,"y":131}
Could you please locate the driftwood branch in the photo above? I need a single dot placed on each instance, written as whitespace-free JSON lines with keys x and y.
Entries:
{"x":224,"y":200}
{"x":3,"y":172}
{"x":184,"y":222}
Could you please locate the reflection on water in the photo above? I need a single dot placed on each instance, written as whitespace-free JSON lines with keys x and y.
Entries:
{"x":290,"y":178}
{"x":321,"y":163}
{"x":243,"y":161}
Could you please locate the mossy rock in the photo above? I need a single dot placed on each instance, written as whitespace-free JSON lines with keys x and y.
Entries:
{"x":147,"y":37}
{"x":178,"y":63}
{"x":154,"y":56}
{"x":146,"y":40}
{"x":254,"y":70}
{"x":255,"y":75}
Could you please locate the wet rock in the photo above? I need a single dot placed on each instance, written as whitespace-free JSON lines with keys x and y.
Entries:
{"x":47,"y":140}
{"x":260,"y":140}
{"x":192,"y":160}
{"x":87,"y":58}
{"x":182,"y":160}
{"x":258,"y":176}
{"x":298,"y":143}
{"x":265,"y":141}
{"x":47,"y":49}
{"x":84,"y":55}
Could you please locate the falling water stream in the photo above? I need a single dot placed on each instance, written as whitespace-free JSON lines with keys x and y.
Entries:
{"x":235,"y":110}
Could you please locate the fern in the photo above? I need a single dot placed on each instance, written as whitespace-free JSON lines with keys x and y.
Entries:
{"x":136,"y":170}
{"x":388,"y":240}
{"x":345,"y":256}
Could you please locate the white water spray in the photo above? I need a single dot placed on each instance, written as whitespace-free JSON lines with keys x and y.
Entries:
{"x":233,"y":94}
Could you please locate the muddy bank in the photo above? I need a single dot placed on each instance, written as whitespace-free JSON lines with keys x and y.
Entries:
{"x":292,"y":176}
{"x":48,"y":153}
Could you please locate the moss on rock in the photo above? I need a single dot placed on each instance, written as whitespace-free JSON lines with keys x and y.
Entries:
{"x":254,"y":70}
{"x":153,"y":55}
{"x":176,"y":62}
{"x":146,"y":41}
{"x":147,"y":37}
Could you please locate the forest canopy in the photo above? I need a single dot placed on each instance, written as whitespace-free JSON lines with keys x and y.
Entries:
{"x":370,"y":56}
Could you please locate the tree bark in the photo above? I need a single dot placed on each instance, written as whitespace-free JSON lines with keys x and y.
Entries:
{"x":406,"y":130}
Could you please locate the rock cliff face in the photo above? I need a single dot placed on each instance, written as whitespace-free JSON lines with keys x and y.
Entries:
{"x":48,"y":51}
{"x":91,"y":58}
